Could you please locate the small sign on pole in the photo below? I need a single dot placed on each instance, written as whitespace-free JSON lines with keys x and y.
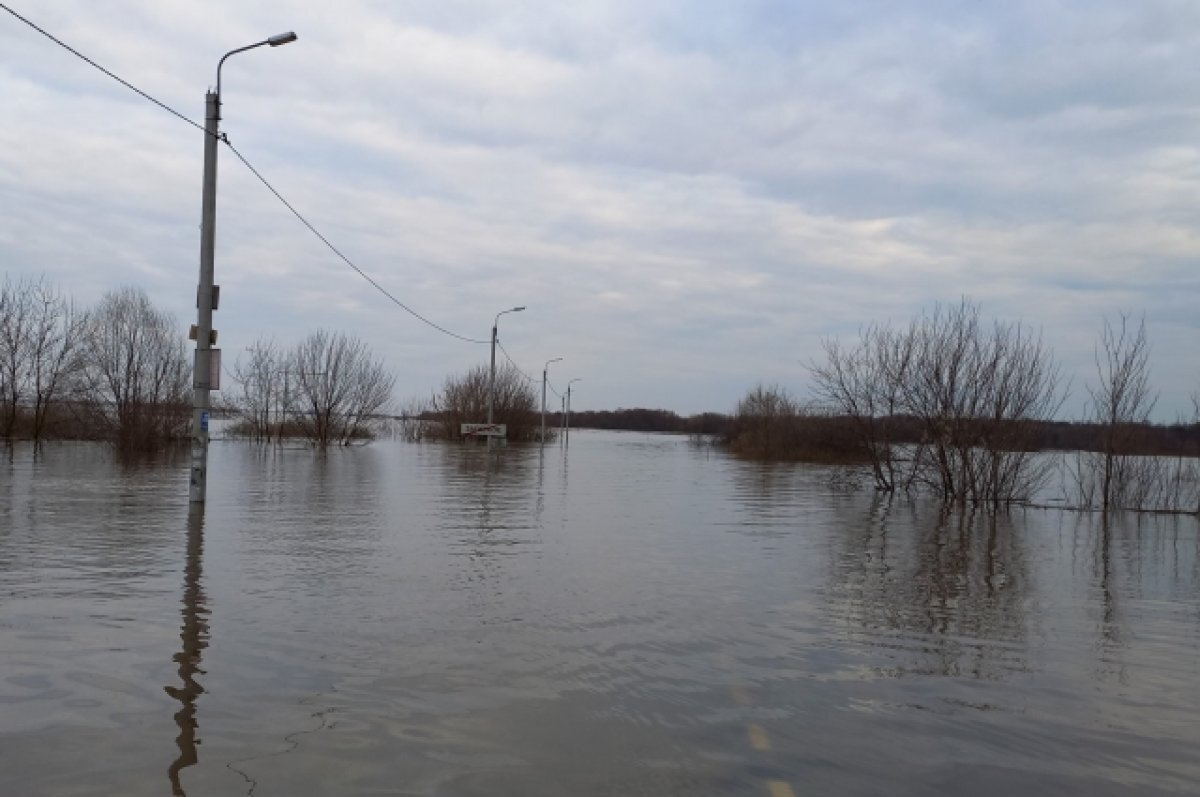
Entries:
{"x":207,"y":371}
{"x":484,"y":430}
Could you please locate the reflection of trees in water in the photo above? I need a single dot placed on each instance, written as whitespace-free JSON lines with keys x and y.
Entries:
{"x":1110,"y":635}
{"x":486,"y":515}
{"x":1130,"y":558}
{"x":950,"y":588}
{"x":765,"y":492}
{"x":318,"y":514}
{"x":488,"y":491}
{"x":194,"y":633}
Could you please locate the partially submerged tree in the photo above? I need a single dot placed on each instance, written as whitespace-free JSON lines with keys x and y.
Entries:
{"x":338,"y":386}
{"x":16,"y":310}
{"x":975,"y":393}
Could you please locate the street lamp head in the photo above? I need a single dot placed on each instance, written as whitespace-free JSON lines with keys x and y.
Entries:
{"x":509,"y":310}
{"x":274,"y":41}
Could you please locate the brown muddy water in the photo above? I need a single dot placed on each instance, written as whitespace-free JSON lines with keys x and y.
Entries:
{"x":629,"y":616}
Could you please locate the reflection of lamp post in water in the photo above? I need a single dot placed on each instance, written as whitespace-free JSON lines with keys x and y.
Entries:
{"x":545,"y":370}
{"x":492,"y":378}
{"x":206,"y":293}
{"x":194,"y":633}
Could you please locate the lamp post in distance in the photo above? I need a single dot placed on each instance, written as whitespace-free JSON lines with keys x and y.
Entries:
{"x":492,"y":378}
{"x":545,"y":370}
{"x":203,"y":379}
{"x":567,"y":414}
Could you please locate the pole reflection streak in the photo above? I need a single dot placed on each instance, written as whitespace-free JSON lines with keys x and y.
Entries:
{"x":194,"y":635}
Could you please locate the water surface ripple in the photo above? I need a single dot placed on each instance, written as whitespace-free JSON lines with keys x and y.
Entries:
{"x":627,"y":615}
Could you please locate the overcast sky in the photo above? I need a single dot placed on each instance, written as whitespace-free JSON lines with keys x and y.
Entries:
{"x":687,"y":196}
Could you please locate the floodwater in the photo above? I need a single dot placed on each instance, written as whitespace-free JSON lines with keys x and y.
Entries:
{"x":627,"y":616}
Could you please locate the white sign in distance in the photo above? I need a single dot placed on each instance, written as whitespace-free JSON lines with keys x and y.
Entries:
{"x":484,"y":430}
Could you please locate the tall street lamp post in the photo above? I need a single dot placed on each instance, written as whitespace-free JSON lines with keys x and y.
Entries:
{"x":206,"y":294}
{"x":545,"y":369}
{"x":492,"y":378}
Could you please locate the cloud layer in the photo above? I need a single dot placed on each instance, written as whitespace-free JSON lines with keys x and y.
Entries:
{"x":687,"y":196}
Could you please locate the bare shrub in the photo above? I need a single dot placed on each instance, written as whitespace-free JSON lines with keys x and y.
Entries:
{"x":976,"y":393}
{"x":865,"y":384}
{"x":464,"y":399}
{"x":770,"y":424}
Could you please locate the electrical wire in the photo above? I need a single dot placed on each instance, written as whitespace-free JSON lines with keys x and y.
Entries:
{"x":254,"y":171}
{"x":512,"y":363}
{"x":339,"y":253}
{"x":115,"y":77}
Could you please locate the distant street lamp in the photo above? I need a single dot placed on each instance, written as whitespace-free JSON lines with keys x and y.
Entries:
{"x":567,"y":414}
{"x":492,"y":379}
{"x":544,"y":371}
{"x":206,"y":294}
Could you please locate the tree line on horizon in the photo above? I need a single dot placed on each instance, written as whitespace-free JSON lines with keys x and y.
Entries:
{"x":949,"y":404}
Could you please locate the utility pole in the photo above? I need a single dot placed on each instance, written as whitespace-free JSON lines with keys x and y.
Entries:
{"x":492,"y":378}
{"x":545,"y":369}
{"x":567,"y":412}
{"x":203,"y":369}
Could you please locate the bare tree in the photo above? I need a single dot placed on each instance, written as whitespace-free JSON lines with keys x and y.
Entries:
{"x":338,"y":386}
{"x":371,"y":394}
{"x":16,"y":311}
{"x":136,"y":376}
{"x":40,"y":331}
{"x":57,"y":328}
{"x":1121,"y":401}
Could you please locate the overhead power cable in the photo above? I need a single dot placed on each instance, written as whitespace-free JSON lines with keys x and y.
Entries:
{"x":516,"y":367}
{"x":254,"y":171}
{"x":338,"y":252}
{"x":115,"y":77}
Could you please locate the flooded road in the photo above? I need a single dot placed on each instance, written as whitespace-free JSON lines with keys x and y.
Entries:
{"x":630,"y":616}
